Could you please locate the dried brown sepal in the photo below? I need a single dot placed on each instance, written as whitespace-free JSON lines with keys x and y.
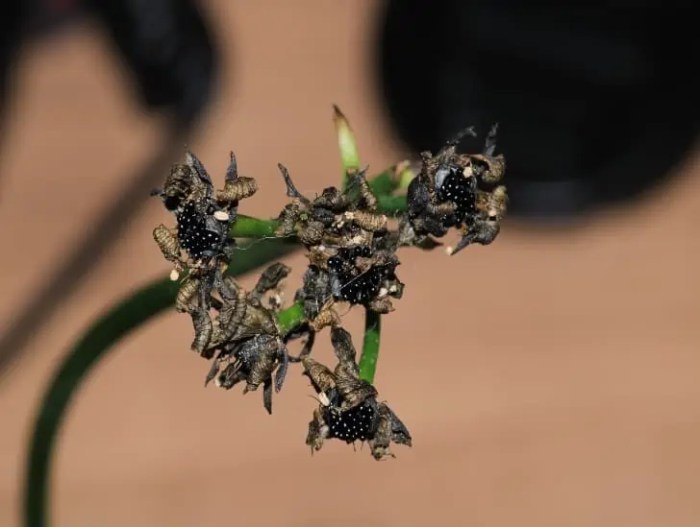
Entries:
{"x":230,"y":318}
{"x":270,"y":280}
{"x":311,"y":233}
{"x":344,"y":349}
{"x":169,"y":245}
{"x":321,"y":377}
{"x":367,"y":198}
{"x":254,"y":361}
{"x":389,"y":429}
{"x":369,"y":221}
{"x":352,"y":390}
{"x":203,"y":329}
{"x":318,"y":431}
{"x":188,"y":292}
{"x":327,"y":317}
{"x":236,"y":190}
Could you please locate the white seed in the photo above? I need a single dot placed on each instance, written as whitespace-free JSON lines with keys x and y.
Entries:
{"x":221,"y":215}
{"x":323,"y":399}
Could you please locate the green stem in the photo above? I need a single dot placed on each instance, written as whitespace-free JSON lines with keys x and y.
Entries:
{"x":391,"y":205}
{"x":249,"y":227}
{"x":370,"y":346}
{"x":395,"y":178}
{"x":383,"y":183}
{"x":93,"y":347}
{"x":290,"y":318}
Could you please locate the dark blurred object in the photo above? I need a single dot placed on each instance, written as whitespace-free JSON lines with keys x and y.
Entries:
{"x":166,"y":45}
{"x":595,"y":104}
{"x":12,"y":24}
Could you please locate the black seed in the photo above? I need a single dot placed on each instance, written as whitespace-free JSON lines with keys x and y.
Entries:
{"x":456,"y":189}
{"x":357,"y":424}
{"x":192,"y":232}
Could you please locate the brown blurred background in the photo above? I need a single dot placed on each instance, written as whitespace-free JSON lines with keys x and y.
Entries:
{"x":549,"y":379}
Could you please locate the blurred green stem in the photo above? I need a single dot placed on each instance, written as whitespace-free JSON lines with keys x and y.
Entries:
{"x":290,"y":318}
{"x":135,"y":310}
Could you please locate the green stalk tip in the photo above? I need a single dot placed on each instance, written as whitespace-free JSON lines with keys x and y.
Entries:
{"x":349,"y":154}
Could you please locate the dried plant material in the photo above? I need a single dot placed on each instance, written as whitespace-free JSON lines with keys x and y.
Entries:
{"x":351,"y":252}
{"x":457,"y":190}
{"x":254,"y":361}
{"x":203,"y":219}
{"x":348,"y":408}
{"x":352,"y":261}
{"x":200,"y":240}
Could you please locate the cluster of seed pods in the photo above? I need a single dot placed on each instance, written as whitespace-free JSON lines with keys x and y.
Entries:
{"x":351,"y":247}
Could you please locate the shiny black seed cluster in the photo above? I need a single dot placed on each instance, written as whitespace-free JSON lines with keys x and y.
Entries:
{"x":356,"y":424}
{"x":193,"y":234}
{"x":457,"y":189}
{"x":352,"y":284}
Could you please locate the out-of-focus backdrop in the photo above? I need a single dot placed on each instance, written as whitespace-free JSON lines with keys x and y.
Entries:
{"x":548,"y":379}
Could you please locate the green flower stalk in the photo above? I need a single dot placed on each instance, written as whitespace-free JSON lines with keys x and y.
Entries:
{"x":370,"y":346}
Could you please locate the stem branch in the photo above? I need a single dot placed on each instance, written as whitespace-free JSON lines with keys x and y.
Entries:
{"x":370,"y":346}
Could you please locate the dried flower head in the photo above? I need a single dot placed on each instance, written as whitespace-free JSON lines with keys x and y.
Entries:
{"x":348,"y":408}
{"x":459,"y":191}
{"x":203,"y":216}
{"x":350,"y":248}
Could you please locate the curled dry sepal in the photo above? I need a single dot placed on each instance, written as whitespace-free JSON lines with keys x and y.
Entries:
{"x":351,"y":247}
{"x":243,"y":338}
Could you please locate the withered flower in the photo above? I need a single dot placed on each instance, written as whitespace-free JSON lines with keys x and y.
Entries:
{"x":348,"y":408}
{"x":203,"y":216}
{"x":352,"y":254}
{"x":253,"y":360}
{"x":200,"y":241}
{"x":456,"y":190}
{"x":245,"y":340}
